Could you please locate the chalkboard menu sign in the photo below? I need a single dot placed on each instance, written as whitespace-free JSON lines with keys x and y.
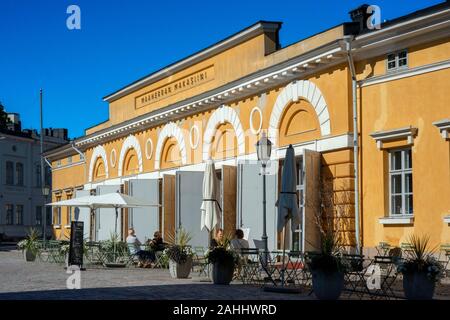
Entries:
{"x":76,"y":244}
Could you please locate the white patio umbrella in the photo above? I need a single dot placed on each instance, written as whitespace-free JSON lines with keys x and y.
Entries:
{"x":211,"y":210}
{"x":114,"y":200}
{"x":287,"y":201}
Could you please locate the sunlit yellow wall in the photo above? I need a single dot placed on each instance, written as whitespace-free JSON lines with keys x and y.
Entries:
{"x":417,"y":101}
{"x":414,"y":101}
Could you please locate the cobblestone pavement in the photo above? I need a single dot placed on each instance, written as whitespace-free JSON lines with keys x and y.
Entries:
{"x":38,"y":280}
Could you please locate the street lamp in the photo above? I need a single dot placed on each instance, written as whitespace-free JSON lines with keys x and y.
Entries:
{"x":45,"y":193}
{"x":263,"y":150}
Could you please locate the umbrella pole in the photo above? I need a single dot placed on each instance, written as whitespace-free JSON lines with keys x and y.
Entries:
{"x":115,"y":234}
{"x":284,"y":253}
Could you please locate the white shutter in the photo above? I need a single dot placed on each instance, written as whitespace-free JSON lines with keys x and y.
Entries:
{"x":189,"y":196}
{"x":83,"y":214}
{"x":105,"y":218}
{"x":145,"y":221}
{"x":250,"y":207}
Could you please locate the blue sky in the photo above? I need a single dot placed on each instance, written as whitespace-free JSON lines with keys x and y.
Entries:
{"x":121,"y":41}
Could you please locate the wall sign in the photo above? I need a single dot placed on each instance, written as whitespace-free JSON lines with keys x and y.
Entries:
{"x":177,"y":86}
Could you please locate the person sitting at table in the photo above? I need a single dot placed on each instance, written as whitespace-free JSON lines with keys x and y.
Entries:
{"x":239,"y":242}
{"x":218,"y":239}
{"x":134,"y":246}
{"x":157,"y":243}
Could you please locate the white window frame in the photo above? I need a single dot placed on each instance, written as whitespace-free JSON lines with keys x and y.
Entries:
{"x":402,"y":172}
{"x":397,"y":67}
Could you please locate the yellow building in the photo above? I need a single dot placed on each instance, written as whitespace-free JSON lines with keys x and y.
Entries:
{"x":392,"y":82}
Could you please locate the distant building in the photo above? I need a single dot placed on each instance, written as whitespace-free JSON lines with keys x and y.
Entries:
{"x":21,"y":199}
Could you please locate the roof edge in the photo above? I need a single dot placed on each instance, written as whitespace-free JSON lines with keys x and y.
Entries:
{"x":252,"y":31}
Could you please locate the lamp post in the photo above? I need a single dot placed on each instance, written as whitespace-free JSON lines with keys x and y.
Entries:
{"x":45,"y":193}
{"x":263,"y":150}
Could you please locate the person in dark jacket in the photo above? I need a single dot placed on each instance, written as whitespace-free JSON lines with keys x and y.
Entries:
{"x":218,"y":239}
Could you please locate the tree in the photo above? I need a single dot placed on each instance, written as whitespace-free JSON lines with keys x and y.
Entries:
{"x":4,"y":120}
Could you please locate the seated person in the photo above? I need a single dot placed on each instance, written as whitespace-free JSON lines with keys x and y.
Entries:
{"x":134,"y":246}
{"x":157,"y":243}
{"x":239,"y":242}
{"x":218,"y":239}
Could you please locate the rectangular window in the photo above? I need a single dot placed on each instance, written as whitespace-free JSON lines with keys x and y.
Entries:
{"x":58,"y":163}
{"x":48,"y":215}
{"x":9,"y":173}
{"x":19,"y":173}
{"x":69,"y":160}
{"x":69,"y":212}
{"x":397,"y":60}
{"x":57,"y":215}
{"x":400,"y":182}
{"x":19,"y":214}
{"x":9,"y":209}
{"x":37,"y":175}
{"x":38,"y":216}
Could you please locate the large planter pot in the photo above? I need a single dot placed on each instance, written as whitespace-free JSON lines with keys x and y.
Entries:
{"x":222,"y":273}
{"x":327,"y":285}
{"x":417,"y":286}
{"x":29,"y":255}
{"x":180,"y":270}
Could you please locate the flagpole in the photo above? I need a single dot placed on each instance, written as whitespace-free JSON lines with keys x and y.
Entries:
{"x":41,"y":139}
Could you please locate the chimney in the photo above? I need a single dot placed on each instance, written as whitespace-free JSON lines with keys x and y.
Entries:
{"x":14,"y":124}
{"x":360,"y":16}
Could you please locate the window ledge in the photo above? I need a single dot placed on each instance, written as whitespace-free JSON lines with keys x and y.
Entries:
{"x":447,"y":219}
{"x":67,"y":226}
{"x":403,"y":133}
{"x":57,"y":226}
{"x":397,"y":220}
{"x":444,"y":128}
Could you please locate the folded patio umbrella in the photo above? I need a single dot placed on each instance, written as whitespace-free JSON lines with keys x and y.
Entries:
{"x":287,"y":201}
{"x":211,"y":210}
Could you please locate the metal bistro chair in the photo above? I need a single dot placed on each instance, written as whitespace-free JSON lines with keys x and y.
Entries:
{"x":354,"y":278}
{"x":407,"y":249}
{"x":133,"y":258}
{"x":200,"y":261}
{"x":444,"y":258}
{"x":295,"y":272}
{"x":388,"y":276}
{"x":251,"y":266}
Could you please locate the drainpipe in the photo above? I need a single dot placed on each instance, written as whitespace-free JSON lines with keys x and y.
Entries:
{"x":348,"y":48}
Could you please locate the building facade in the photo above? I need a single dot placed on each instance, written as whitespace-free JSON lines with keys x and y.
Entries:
{"x":367,"y":112}
{"x":22,"y":203}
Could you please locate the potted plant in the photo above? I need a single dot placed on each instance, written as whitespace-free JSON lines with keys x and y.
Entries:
{"x":223,"y":259}
{"x":114,"y":251}
{"x":327,"y":268}
{"x":29,"y":245}
{"x":420,"y":269}
{"x":180,"y":255}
